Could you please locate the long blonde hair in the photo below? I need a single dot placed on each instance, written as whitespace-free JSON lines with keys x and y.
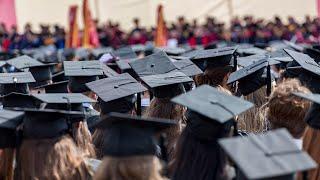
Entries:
{"x":83,"y":139}
{"x":7,"y":156}
{"x":56,"y":159}
{"x":253,"y":121}
{"x":133,"y":168}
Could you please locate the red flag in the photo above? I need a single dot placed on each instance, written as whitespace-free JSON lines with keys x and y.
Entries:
{"x":73,"y":34}
{"x":90,"y":36}
{"x":8,"y":13}
{"x":161,"y":31}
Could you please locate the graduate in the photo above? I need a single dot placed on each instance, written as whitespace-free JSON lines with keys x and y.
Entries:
{"x":210,"y":117}
{"x":131,"y":147}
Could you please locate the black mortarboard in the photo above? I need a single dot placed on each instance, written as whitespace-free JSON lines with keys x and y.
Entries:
{"x":176,"y":51}
{"x":308,"y":70}
{"x":157,"y":63}
{"x":82,"y":53}
{"x":68,"y":54}
{"x":125,"y":53}
{"x":313,"y":53}
{"x":15,"y":82}
{"x":267,"y":156}
{"x":6,"y":55}
{"x":9,"y":122}
{"x":80,"y":73}
{"x":220,"y":57}
{"x":65,"y":101}
{"x":294,"y":46}
{"x":132,"y":136}
{"x":124,"y":64}
{"x":313,"y":116}
{"x":252,"y":77}
{"x":18,"y":100}
{"x":56,"y":87}
{"x":42,"y":74}
{"x":116,"y":93}
{"x":212,"y":103}
{"x":158,"y":80}
{"x":23,"y":62}
{"x":187,"y":67}
{"x":45,"y":123}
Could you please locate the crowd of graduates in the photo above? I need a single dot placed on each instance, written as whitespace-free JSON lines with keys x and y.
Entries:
{"x":225,"y":110}
{"x":241,"y":30}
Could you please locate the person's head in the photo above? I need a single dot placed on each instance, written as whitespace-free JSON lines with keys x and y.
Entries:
{"x":56,"y":158}
{"x":214,"y":76}
{"x":286,"y":110}
{"x":134,"y":167}
{"x":199,"y":141}
{"x":253,"y":120}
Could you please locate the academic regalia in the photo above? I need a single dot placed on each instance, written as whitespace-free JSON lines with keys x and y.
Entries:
{"x":15,"y":82}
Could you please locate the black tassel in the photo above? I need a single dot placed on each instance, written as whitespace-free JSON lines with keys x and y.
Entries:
{"x":269,"y":81}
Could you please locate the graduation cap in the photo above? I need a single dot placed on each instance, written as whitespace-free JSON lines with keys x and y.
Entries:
{"x":45,"y":123}
{"x":170,"y":51}
{"x":9,"y":122}
{"x":80,"y":73}
{"x":212,"y":103}
{"x":248,"y":60}
{"x":267,"y":156}
{"x":132,"y":136}
{"x":42,"y":74}
{"x":124,"y":64}
{"x":187,"y":67}
{"x":6,"y":55}
{"x":125,"y":53}
{"x":252,"y":77}
{"x":15,"y":82}
{"x":23,"y":62}
{"x":138,"y":48}
{"x":65,"y":101}
{"x":68,"y":54}
{"x":313,"y":115}
{"x":294,"y":46}
{"x":56,"y":87}
{"x":308,"y":70}
{"x":82,"y":53}
{"x":157,"y":63}
{"x":220,"y":57}
{"x":116,"y":93}
{"x":15,"y":99}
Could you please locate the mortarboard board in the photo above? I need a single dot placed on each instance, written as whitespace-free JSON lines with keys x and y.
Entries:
{"x":187,"y":67}
{"x":82,"y":53}
{"x":220,"y":57}
{"x":273,"y":154}
{"x":312,"y":118}
{"x":65,"y":101}
{"x":125,"y":53}
{"x":115,"y":93}
{"x":14,"y":99}
{"x":124,"y":64}
{"x":6,"y":55}
{"x":250,"y":51}
{"x":137,"y":48}
{"x":81,"y":72}
{"x":68,"y":54}
{"x":253,"y":77}
{"x":157,"y":63}
{"x":45,"y":123}
{"x":23,"y":62}
{"x":307,"y":70}
{"x":294,"y":46}
{"x":212,"y":103}
{"x":132,"y":136}
{"x":15,"y":82}
{"x":56,"y":87}
{"x":9,"y":122}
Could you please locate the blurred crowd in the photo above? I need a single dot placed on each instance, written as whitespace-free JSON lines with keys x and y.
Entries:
{"x":241,"y":30}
